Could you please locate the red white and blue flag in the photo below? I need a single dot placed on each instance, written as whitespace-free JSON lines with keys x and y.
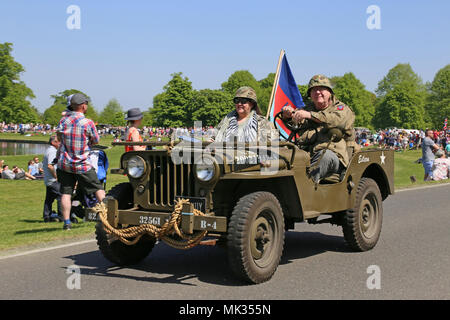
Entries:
{"x":285,"y":92}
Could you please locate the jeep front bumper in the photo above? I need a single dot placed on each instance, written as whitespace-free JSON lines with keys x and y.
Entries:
{"x":135,"y":217}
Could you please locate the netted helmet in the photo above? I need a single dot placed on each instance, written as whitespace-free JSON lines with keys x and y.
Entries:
{"x":249,"y":93}
{"x":319,"y":80}
{"x":246,"y":92}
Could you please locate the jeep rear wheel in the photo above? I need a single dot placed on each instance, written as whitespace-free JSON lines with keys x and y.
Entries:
{"x":362,"y":224}
{"x":256,"y":237}
{"x":112,"y":248}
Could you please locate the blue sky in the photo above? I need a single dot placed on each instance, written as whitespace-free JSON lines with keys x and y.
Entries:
{"x":128,"y":49}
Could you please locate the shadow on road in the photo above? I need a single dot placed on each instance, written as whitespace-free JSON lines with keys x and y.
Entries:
{"x":205,"y":263}
{"x":301,"y":245}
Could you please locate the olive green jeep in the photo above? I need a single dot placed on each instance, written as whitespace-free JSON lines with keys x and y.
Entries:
{"x":241,"y":196}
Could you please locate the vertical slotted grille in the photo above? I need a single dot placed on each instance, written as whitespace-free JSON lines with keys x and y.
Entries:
{"x":168,"y":180}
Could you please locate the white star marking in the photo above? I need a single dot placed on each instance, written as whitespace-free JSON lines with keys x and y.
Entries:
{"x":382,"y":157}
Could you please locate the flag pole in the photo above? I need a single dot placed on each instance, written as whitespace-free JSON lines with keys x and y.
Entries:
{"x":275,"y":83}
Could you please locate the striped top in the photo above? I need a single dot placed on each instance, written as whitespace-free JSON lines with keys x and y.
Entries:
{"x":77,"y":134}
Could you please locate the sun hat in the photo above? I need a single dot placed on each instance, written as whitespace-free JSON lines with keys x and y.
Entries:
{"x":134,"y":114}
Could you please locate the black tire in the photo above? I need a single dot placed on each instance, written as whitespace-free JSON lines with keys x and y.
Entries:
{"x":113,"y":249}
{"x":362,"y":224}
{"x":255,"y":237}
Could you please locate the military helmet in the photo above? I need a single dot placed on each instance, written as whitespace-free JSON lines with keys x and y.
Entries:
{"x":246,"y":92}
{"x":249,"y":93}
{"x":319,"y":80}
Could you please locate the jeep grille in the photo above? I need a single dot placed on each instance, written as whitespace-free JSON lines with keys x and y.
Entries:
{"x":168,"y":180}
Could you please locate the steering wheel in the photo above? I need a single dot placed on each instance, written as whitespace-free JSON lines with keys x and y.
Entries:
{"x":295,"y":129}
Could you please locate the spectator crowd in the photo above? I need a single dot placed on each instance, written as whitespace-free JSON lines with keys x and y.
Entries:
{"x":391,"y":138}
{"x":400,"y":139}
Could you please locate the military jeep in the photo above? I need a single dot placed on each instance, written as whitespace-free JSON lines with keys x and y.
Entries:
{"x":241,"y":196}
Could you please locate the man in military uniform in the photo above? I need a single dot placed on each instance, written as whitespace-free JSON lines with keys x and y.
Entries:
{"x":324,"y":113}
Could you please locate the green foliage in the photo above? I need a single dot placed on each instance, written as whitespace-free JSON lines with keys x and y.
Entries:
{"x":402,"y":107}
{"x":303,"y":88}
{"x":265,"y":90}
{"x":239,"y":79}
{"x":148,"y":119}
{"x":112,"y":114}
{"x":210,"y":106}
{"x":402,"y":72}
{"x":14,"y":106}
{"x":171,"y":107}
{"x":243,"y":78}
{"x":401,"y":100}
{"x":52,"y":115}
{"x":353,"y":93}
{"x":439,"y":98}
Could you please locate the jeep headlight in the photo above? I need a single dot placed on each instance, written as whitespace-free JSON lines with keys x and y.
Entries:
{"x":206,"y":169}
{"x":136,"y":167}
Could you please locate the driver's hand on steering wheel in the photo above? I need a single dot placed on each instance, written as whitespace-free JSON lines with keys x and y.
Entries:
{"x":288,"y":111}
{"x":300,"y":114}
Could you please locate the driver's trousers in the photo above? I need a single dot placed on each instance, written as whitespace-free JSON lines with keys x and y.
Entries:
{"x":329,"y":164}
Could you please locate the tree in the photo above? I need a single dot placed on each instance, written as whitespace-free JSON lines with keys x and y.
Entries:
{"x":353,"y":93}
{"x":400,"y":73}
{"x":14,"y":106}
{"x":401,"y":99}
{"x":439,"y":97}
{"x":266,"y":86}
{"x":243,"y":78}
{"x":210,"y":106}
{"x":52,"y":115}
{"x":239,"y":79}
{"x":401,"y":107}
{"x":112,"y":114}
{"x":171,"y":107}
{"x":303,"y":88}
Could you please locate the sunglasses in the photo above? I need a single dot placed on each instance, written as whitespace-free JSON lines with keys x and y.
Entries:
{"x":241,"y":100}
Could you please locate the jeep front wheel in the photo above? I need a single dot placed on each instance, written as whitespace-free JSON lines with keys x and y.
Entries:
{"x":112,"y":248}
{"x":256,"y":237}
{"x":362,"y":224}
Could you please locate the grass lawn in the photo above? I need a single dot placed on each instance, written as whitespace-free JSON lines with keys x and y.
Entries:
{"x":22,"y":201}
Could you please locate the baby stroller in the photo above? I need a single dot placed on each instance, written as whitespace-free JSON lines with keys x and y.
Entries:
{"x":82,"y":201}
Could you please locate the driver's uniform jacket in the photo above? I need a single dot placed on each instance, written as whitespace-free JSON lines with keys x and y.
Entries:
{"x":337,"y":115}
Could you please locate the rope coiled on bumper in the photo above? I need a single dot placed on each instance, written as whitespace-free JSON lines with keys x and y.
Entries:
{"x":166,"y":232}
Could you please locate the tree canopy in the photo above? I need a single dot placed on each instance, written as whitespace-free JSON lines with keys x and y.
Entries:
{"x":52,"y":115}
{"x":171,"y":107}
{"x":353,"y":93}
{"x":400,"y":100}
{"x":14,"y":94}
{"x":438,"y":101}
{"x":112,"y":114}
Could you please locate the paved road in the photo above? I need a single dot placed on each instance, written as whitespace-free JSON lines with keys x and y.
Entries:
{"x":413,"y":257}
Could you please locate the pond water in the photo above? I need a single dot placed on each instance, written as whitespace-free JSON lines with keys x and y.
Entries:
{"x":20,"y":148}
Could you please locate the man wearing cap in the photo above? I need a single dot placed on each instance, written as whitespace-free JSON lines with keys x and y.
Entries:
{"x":245,"y":122}
{"x":325,"y":112}
{"x":76,"y":134}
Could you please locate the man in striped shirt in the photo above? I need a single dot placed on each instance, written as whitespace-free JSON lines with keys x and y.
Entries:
{"x":77,"y":134}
